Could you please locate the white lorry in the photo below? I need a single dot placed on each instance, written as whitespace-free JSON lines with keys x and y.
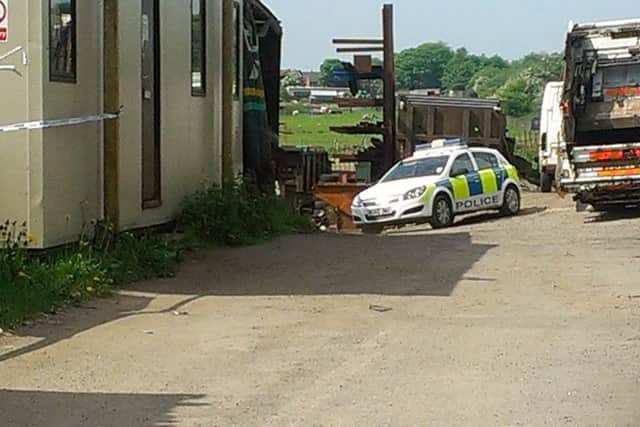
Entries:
{"x":601,"y":114}
{"x":550,"y":135}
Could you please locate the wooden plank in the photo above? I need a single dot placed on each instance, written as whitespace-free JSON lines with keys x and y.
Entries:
{"x":431,"y":121}
{"x":353,"y":102}
{"x":227,"y":90}
{"x":488,"y":118}
{"x":359,"y":49}
{"x":466,"y":123}
{"x":358,"y":41}
{"x":392,"y":153}
{"x":359,"y":130}
{"x":111,"y":67}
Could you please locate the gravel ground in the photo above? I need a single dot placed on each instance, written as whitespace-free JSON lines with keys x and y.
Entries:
{"x":533,"y":320}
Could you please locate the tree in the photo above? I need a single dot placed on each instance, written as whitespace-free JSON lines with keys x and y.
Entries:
{"x":460,"y":70}
{"x":292,"y":78}
{"x":326,"y":72}
{"x":516,"y":97}
{"x":422,"y":67}
{"x":486,"y":82}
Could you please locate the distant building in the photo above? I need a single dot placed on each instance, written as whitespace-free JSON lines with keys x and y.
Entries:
{"x":311,"y":78}
{"x":317,"y":94}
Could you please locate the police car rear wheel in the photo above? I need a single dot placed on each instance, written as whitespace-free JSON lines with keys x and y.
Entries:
{"x":442,"y":212}
{"x":512,"y":202}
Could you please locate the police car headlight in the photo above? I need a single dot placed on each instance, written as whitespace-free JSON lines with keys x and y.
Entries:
{"x":357,"y":202}
{"x":415,"y":193}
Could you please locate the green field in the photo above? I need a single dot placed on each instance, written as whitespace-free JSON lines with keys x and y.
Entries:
{"x":306,"y":130}
{"x":527,"y":140}
{"x":313,"y":130}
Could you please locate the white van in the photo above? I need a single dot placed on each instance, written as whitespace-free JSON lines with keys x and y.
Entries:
{"x":550,"y":134}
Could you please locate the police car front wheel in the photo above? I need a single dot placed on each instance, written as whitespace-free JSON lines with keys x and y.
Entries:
{"x":512,"y":202}
{"x":442,"y":212}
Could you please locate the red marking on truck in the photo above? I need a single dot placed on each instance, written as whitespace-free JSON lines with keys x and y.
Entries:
{"x":623,"y":91}
{"x":608,"y":155}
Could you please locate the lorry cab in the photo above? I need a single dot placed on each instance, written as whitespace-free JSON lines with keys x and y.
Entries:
{"x":550,"y":134}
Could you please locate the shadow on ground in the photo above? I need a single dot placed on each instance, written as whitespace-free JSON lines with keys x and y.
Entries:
{"x":56,"y":409}
{"x":427,"y":265}
{"x":320,"y":264}
{"x":618,"y":214}
{"x":489,"y":217}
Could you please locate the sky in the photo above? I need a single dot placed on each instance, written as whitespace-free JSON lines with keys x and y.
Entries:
{"x":510,"y":28}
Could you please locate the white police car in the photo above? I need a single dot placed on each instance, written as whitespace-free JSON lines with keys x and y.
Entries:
{"x":440,"y":181}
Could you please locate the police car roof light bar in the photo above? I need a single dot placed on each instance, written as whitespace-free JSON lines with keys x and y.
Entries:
{"x":442,"y":143}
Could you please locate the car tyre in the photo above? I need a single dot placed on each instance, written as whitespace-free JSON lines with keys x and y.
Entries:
{"x":512,"y":201}
{"x":546,"y":183}
{"x":442,"y":215}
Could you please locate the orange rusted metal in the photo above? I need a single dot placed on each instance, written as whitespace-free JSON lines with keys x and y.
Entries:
{"x":340,"y":196}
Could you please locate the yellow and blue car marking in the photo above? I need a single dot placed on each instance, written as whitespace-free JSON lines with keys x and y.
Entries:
{"x":474,"y":185}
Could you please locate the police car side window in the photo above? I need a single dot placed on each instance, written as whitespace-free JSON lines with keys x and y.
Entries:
{"x":486,"y":161}
{"x":462,"y":163}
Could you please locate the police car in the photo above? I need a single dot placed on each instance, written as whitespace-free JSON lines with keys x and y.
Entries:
{"x":441,"y":180}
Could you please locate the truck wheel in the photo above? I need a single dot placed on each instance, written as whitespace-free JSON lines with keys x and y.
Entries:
{"x":546,"y":182}
{"x":372,"y":229}
{"x":512,"y":202}
{"x":442,"y":215}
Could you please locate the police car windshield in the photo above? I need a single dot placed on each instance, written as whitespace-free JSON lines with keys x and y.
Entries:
{"x":416,"y":168}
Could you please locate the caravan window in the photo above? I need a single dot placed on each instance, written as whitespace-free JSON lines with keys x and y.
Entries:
{"x":198,"y":48}
{"x":62,"y":41}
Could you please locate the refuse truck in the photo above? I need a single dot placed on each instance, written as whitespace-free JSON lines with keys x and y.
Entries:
{"x":600,"y":103}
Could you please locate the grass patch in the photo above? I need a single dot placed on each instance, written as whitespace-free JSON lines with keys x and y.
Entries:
{"x":32,"y":284}
{"x":306,"y":129}
{"x":231,"y":215}
{"x":526,"y":140}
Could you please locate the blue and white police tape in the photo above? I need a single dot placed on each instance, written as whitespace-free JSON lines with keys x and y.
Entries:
{"x":45,"y":124}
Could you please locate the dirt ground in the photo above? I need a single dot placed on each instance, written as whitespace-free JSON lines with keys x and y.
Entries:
{"x":529,"y":321}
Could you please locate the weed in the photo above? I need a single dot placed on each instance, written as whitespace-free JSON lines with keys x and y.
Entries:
{"x":237,"y":214}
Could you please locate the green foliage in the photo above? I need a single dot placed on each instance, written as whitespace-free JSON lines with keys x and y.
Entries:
{"x":237,"y":214}
{"x":292,"y":78}
{"x":459,"y":70}
{"x":519,"y":84}
{"x":517,"y":99}
{"x":487,"y":81}
{"x":30,"y":285}
{"x":132,"y":258}
{"x":422,"y":67}
{"x":326,"y":72}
